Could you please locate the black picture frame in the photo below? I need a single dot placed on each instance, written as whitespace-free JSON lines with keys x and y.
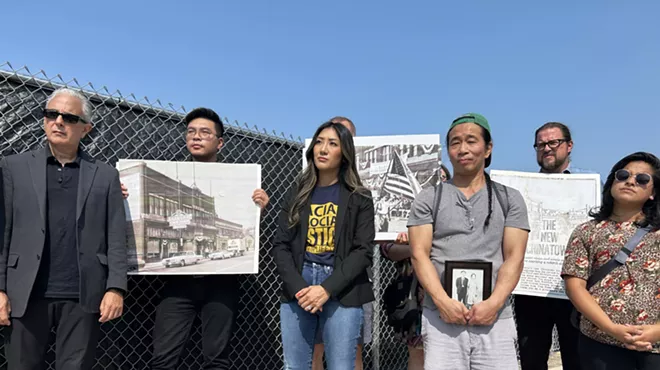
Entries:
{"x":468,"y":294}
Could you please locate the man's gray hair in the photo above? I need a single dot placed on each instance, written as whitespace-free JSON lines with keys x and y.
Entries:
{"x":86,"y":105}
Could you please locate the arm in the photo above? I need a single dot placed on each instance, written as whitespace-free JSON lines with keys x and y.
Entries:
{"x":451,"y":311}
{"x":281,"y":252}
{"x":7,"y":186}
{"x":514,"y":244}
{"x":361,"y":254}
{"x":421,"y":238}
{"x":397,"y":251}
{"x":575,"y":272}
{"x":576,"y":290}
{"x":8,"y":206}
{"x":116,"y":234}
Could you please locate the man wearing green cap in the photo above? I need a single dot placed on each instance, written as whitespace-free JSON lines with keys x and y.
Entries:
{"x":478,"y":223}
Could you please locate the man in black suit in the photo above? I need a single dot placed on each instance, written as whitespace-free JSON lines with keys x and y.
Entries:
{"x":461,"y":288}
{"x":63,"y":261}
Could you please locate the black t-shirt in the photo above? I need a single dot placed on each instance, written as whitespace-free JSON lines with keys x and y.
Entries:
{"x":320,"y":245}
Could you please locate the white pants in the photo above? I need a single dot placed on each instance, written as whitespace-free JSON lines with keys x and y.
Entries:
{"x":465,"y":347}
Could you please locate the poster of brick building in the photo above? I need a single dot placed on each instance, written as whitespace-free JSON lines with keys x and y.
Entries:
{"x":395,"y":169}
{"x":191,"y":218}
{"x":556,"y":204}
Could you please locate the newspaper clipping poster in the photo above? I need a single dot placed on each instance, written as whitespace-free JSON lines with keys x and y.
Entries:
{"x":191,"y":218}
{"x":556,"y":204}
{"x":395,"y":169}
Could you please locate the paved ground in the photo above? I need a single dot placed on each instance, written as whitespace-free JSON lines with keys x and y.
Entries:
{"x":241,"y":264}
{"x":554,"y":363}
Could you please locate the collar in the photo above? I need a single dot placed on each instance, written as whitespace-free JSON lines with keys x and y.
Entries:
{"x":50,"y":156}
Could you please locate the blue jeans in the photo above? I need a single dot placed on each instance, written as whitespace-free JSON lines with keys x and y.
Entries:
{"x":341,"y":328}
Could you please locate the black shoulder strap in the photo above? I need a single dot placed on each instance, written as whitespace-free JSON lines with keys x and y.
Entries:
{"x":436,"y":202}
{"x":619,"y":259}
{"x":502,"y":199}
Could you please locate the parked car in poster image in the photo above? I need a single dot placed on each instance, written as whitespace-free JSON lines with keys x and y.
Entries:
{"x":220,"y":255}
{"x":182,"y":259}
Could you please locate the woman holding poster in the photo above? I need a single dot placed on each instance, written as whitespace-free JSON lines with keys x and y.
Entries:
{"x":322,"y":249}
{"x":616,"y":290}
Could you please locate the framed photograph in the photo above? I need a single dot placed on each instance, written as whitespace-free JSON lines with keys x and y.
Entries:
{"x":468,"y":282}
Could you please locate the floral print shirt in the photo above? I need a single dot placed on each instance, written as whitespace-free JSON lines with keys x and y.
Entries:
{"x":630,"y":294}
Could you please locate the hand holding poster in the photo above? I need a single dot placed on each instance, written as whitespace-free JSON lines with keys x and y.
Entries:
{"x":191,"y":218}
{"x":395,"y":169}
{"x":556,"y":204}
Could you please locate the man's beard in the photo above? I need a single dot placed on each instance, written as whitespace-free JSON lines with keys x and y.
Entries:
{"x":552,"y":167}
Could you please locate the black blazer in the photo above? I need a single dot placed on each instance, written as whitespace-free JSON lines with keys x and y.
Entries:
{"x":101,"y":226}
{"x":354,"y":241}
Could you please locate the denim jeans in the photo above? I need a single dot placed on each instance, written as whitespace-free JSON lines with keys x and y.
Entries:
{"x":341,"y":328}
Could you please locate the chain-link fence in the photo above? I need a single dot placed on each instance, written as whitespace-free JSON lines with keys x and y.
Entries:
{"x":126,"y":127}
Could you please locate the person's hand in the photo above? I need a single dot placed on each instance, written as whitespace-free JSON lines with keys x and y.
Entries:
{"x":124,"y":191}
{"x":483,"y":313}
{"x":112,"y":305}
{"x":260,"y":198}
{"x":401,"y":238}
{"x":5,"y":309}
{"x":452,"y":311}
{"x":312,"y":298}
{"x":623,"y":333}
{"x":650,"y":334}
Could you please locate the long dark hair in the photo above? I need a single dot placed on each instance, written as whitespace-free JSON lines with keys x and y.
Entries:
{"x":444,"y":169}
{"x":489,"y":183}
{"x":651,"y":208}
{"x":348,"y":173}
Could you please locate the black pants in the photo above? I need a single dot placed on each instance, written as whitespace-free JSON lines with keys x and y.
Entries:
{"x":599,"y":356}
{"x":183,"y":297}
{"x":77,"y":333}
{"x":535,"y":318}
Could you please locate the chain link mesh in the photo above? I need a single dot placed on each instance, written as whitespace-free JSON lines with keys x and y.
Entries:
{"x":127,"y":127}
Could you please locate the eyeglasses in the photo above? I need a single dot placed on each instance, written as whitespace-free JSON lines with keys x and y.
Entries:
{"x":204,"y":134}
{"x":66,"y":117}
{"x":641,"y":179}
{"x":553,"y":144}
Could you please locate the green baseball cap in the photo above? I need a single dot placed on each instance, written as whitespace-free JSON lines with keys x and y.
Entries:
{"x":477,"y":119}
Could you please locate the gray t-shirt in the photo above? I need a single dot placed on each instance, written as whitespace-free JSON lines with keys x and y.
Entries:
{"x":459,"y":233}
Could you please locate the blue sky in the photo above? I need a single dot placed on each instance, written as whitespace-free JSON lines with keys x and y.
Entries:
{"x":393,"y":67}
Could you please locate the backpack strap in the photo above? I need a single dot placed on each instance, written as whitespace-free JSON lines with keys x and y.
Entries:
{"x":436,"y":202}
{"x":619,"y":259}
{"x":502,"y":199}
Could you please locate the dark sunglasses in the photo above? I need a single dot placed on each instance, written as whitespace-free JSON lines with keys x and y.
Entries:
{"x":66,"y":117}
{"x":640,"y":178}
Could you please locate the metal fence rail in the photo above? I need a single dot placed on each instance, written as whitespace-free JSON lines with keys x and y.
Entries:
{"x":126,"y":127}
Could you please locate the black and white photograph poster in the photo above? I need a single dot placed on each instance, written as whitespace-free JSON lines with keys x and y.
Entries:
{"x":191,"y":218}
{"x":556,"y":204}
{"x":395,"y":169}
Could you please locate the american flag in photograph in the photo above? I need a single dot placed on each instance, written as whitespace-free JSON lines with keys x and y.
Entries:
{"x":400,"y":181}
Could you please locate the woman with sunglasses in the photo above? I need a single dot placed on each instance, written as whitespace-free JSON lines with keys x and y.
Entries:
{"x":620,"y":321}
{"x":323,"y":247}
